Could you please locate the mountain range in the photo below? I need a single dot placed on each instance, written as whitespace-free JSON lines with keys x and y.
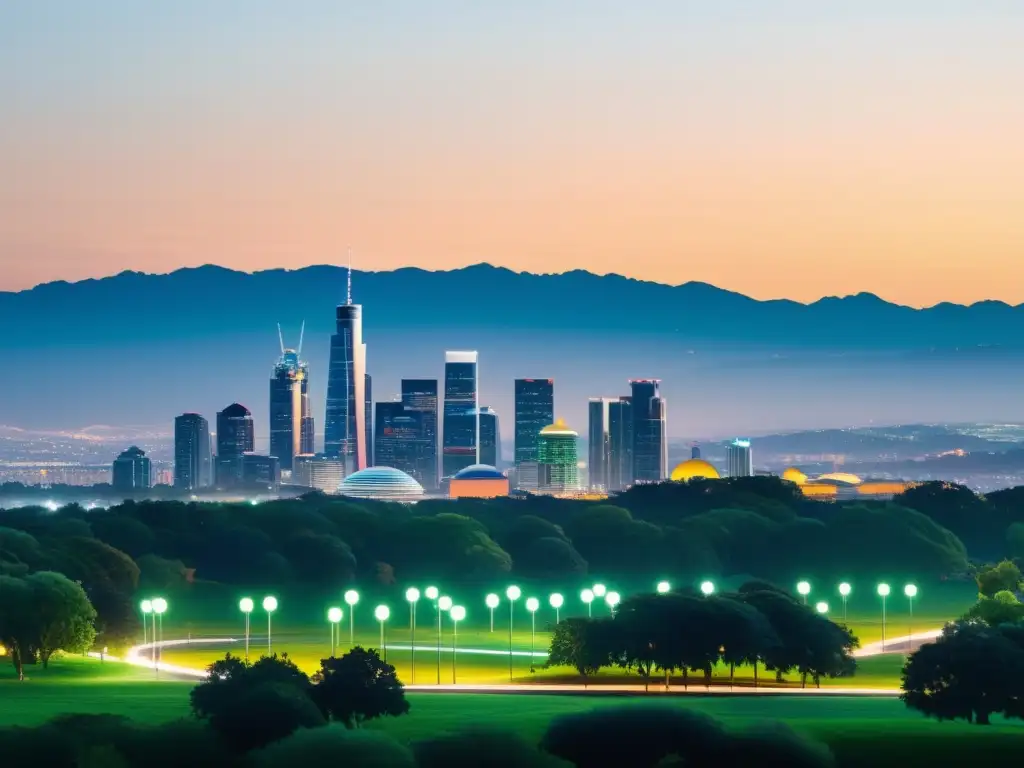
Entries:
{"x":139,"y":348}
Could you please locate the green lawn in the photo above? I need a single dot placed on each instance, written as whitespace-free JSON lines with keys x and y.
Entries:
{"x":861,"y":731}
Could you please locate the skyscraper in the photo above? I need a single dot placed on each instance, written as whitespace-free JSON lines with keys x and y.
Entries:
{"x":650,"y":441}
{"x":420,"y":395}
{"x":490,"y":437}
{"x":193,"y":460}
{"x":345,"y":424}
{"x":620,"y":444}
{"x":368,"y":417}
{"x":400,"y":441}
{"x":131,"y":471}
{"x":461,"y":428}
{"x":318,"y":472}
{"x":739,"y":459}
{"x":534,"y":410}
{"x":235,"y":438}
{"x":557,"y":455}
{"x":598,"y":443}
{"x":291,"y":424}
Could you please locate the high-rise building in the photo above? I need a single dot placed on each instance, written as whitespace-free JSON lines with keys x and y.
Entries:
{"x":490,"y":437}
{"x":345,"y":424}
{"x":400,"y":440}
{"x":131,"y":471}
{"x":235,"y":438}
{"x":534,"y":410}
{"x":368,"y":417}
{"x":695,"y":452}
{"x":261,"y":473}
{"x":620,"y":444}
{"x":739,"y":458}
{"x":291,"y":423}
{"x":420,"y":395}
{"x":193,"y":460}
{"x":461,"y":428}
{"x":599,"y":444}
{"x":650,"y":441}
{"x":318,"y":472}
{"x":558,"y":457}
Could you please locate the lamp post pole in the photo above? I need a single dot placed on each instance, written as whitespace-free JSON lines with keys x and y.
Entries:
{"x":883,"y":592}
{"x":412,"y":595}
{"x":513,"y":593}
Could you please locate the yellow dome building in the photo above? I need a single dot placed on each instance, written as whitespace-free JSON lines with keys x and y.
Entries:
{"x":794,"y":475}
{"x":693,"y":469}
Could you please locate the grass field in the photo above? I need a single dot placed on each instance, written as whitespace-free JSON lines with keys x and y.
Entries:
{"x":861,"y":731}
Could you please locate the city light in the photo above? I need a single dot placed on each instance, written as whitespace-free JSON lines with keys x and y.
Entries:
{"x":334,"y":616}
{"x":613,"y":599}
{"x":556,"y":601}
{"x":431,"y":593}
{"x":804,"y":588}
{"x":381,"y":613}
{"x":844,"y":591}
{"x":587,"y":596}
{"x":246,"y":606}
{"x":269,"y":605}
{"x":444,"y":603}
{"x":663,"y":587}
{"x":351,"y":598}
{"x":146,"y":606}
{"x":600,"y":590}
{"x":821,"y":607}
{"x":492,"y":601}
{"x":707,"y":588}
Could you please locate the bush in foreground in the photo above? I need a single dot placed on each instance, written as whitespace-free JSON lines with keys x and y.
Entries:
{"x":473,"y":748}
{"x":332,"y":747}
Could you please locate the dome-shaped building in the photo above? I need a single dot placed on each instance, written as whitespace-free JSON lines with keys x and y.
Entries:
{"x":478,"y":481}
{"x":794,"y":475}
{"x":694,"y":469}
{"x":383,"y":484}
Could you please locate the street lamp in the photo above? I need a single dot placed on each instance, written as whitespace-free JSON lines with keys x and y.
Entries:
{"x":821,"y":607}
{"x":600,"y":590}
{"x":513,"y":593}
{"x":532,"y":604}
{"x":707,"y":588}
{"x":613,"y":599}
{"x":269,"y":605}
{"x":412,"y":595}
{"x":663,"y":588}
{"x":159,"y":608}
{"x":492,"y":602}
{"x":458,"y":613}
{"x":911,"y":592}
{"x":351,"y":598}
{"x":334,"y":616}
{"x":146,"y":606}
{"x":587,"y":596}
{"x":444,"y":603}
{"x":557,"y":601}
{"x":381,"y":614}
{"x":804,"y":588}
{"x":245,"y":605}
{"x":883,"y":592}
{"x":844,"y":591}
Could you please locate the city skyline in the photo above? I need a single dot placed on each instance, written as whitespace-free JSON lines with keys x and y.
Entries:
{"x":746,"y":148}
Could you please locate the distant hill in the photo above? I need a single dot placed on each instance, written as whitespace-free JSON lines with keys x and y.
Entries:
{"x":137,"y":348}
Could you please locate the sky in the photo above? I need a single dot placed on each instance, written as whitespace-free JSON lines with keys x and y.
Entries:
{"x":777,"y":148}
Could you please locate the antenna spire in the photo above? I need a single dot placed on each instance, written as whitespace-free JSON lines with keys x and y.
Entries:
{"x":348,"y":293}
{"x":280,"y":338}
{"x":302,"y":334}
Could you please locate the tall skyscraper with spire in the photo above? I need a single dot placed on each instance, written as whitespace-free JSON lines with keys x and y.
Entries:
{"x":291,"y":425}
{"x":345,"y":422}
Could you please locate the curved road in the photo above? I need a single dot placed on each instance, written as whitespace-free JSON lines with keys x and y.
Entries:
{"x":142,"y":656}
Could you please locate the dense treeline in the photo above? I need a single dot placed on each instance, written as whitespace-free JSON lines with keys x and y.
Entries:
{"x":759,"y":625}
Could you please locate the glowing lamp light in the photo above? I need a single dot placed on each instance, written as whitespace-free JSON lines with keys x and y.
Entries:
{"x":613,"y":599}
{"x":334,"y":615}
{"x":381,"y":613}
{"x":600,"y":590}
{"x":457,"y":612}
{"x":492,"y":600}
{"x":587,"y":596}
{"x":159,"y":605}
{"x":432,"y":593}
{"x":351,"y":598}
{"x":269,"y":604}
{"x":146,"y":606}
{"x":707,"y":588}
{"x":412,"y":594}
{"x":557,"y":601}
{"x":663,"y":587}
{"x":821,"y":607}
{"x":444,"y":603}
{"x":804,"y":588}
{"x":883,"y":590}
{"x":910,"y":590}
{"x":246,"y":605}
{"x":532,"y":604}
{"x":513,"y":593}
{"x":845,"y":589}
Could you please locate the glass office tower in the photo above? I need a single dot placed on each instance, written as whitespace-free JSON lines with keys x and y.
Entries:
{"x":461,"y":427}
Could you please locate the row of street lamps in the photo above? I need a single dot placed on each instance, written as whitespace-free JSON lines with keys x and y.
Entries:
{"x":883,"y":589}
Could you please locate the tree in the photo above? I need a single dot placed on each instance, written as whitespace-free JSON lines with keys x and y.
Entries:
{"x":16,"y":621}
{"x":62,"y":615}
{"x":746,"y":634}
{"x":789,"y":620}
{"x":1001,"y":608}
{"x":358,"y":687}
{"x":970,"y":672}
{"x":319,"y":558}
{"x":1015,"y":541}
{"x":827,"y":650}
{"x":251,"y":706}
{"x":549,"y":558}
{"x":1005,"y":576}
{"x":582,"y":644}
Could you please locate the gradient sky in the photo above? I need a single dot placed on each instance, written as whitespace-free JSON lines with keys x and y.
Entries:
{"x":778,"y":148}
